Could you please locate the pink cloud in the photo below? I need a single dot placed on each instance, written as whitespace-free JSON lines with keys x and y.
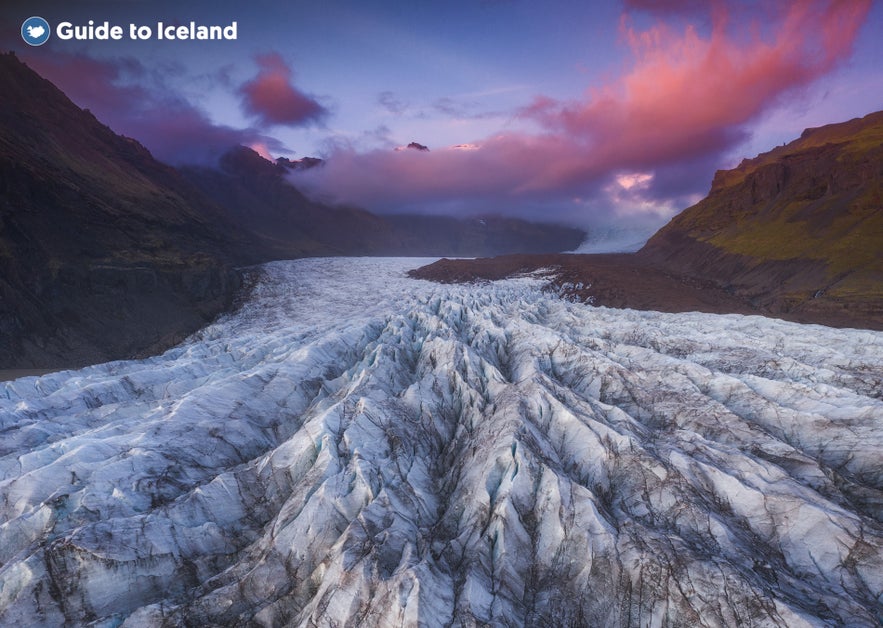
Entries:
{"x":272,"y":98}
{"x":689,"y":97}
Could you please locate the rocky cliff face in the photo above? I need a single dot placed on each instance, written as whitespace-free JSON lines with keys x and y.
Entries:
{"x":796,"y":230}
{"x":104,"y":252}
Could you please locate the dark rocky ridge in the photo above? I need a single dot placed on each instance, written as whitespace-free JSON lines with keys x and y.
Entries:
{"x":795,"y":233}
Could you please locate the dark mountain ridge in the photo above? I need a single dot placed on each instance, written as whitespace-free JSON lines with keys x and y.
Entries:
{"x":104,"y":251}
{"x":256,"y":194}
{"x":107,"y":253}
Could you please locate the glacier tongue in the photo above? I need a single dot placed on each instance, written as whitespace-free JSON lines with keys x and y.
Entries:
{"x":358,"y":448}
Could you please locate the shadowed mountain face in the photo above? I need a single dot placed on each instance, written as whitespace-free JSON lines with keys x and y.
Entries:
{"x":256,"y":194}
{"x":104,"y":251}
{"x":253,"y":194}
{"x":488,"y":235}
{"x":107,"y":253}
{"x":797,"y":230}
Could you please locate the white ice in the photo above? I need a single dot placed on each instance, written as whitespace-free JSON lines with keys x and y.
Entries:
{"x":354,"y":447}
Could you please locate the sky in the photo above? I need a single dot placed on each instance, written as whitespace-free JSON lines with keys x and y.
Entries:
{"x":608,"y":115}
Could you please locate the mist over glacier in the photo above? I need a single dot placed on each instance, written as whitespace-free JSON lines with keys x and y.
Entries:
{"x":354,"y":447}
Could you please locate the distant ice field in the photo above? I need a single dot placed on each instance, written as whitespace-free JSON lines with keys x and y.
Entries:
{"x":357,"y":448}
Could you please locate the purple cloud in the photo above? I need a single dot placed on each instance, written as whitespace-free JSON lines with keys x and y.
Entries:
{"x":647,"y":141}
{"x":273,"y":100}
{"x":121,"y":95}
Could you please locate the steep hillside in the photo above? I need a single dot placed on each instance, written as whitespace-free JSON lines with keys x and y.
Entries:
{"x":104,"y":251}
{"x":107,"y":253}
{"x":256,"y":195}
{"x":796,"y":233}
{"x":796,"y":230}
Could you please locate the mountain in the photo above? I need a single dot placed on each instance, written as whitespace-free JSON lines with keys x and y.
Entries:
{"x":107,"y":253}
{"x":254,"y":194}
{"x":356,"y":448}
{"x":104,"y":251}
{"x":480,"y":235}
{"x":258,"y":196}
{"x":796,"y":231}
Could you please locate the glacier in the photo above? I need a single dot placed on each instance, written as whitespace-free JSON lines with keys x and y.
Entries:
{"x":353,"y":447}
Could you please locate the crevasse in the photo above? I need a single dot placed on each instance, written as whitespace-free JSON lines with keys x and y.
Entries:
{"x":354,"y":447}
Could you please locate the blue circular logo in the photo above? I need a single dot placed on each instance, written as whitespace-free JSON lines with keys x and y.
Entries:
{"x":35,"y":31}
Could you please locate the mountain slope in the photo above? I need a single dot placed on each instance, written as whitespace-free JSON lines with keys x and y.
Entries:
{"x":480,"y":235}
{"x":107,"y":253}
{"x":257,"y":195}
{"x":104,"y":251}
{"x":254,"y":194}
{"x":796,"y":230}
{"x":795,"y":233}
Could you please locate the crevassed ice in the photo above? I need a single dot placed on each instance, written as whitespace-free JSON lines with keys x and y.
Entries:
{"x":358,"y":448}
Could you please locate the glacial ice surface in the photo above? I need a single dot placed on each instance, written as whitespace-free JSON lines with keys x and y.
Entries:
{"x":356,"y":448}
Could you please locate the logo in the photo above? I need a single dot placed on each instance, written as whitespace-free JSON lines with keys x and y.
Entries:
{"x":35,"y":31}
